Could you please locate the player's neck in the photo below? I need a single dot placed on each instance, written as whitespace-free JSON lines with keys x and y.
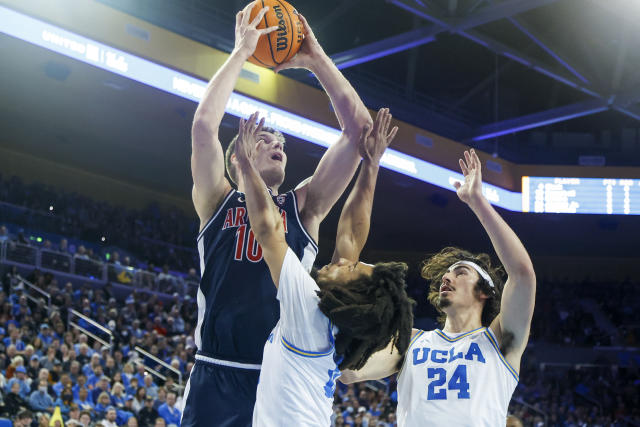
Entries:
{"x":273,"y":189}
{"x":462,"y":321}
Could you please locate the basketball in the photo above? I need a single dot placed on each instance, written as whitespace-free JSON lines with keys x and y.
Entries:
{"x":281,"y":45}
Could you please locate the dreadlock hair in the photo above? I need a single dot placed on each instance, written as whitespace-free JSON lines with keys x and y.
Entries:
{"x":436,"y":265}
{"x":369,"y":312}
{"x":231,"y":149}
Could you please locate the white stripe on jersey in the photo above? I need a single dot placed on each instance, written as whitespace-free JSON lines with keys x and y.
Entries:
{"x":452,"y":381}
{"x":200,"y":299}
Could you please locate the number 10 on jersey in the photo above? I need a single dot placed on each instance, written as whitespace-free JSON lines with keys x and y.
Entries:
{"x":253,"y":250}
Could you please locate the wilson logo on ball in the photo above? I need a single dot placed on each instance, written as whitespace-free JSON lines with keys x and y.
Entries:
{"x":281,"y":45}
{"x":281,"y":42}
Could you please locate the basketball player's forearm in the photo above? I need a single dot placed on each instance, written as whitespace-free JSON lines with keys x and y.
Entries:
{"x":211,"y":108}
{"x":350,"y":111}
{"x":508,"y":247}
{"x":262,"y":212}
{"x":355,"y":219}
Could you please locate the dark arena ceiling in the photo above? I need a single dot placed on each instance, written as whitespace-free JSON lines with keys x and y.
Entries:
{"x":532,"y":81}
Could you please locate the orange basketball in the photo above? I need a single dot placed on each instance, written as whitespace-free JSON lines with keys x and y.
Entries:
{"x":282,"y":44}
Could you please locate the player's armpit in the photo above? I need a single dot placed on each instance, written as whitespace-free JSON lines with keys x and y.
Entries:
{"x":512,"y":325}
{"x":380,"y":365}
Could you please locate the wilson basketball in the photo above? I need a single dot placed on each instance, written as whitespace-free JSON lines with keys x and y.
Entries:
{"x":282,"y":44}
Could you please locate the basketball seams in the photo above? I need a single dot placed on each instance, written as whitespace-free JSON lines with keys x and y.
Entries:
{"x":266,"y":25}
{"x":286,"y":57}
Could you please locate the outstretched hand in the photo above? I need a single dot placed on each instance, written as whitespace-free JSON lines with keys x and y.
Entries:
{"x":309,"y":50}
{"x":247,"y":34}
{"x":470,"y":191}
{"x":248,"y":135}
{"x":374,"y":141}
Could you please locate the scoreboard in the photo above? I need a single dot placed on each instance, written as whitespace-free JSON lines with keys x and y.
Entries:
{"x":581,"y":195}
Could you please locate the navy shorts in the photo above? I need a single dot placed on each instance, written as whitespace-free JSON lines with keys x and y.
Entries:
{"x":219,"y":396}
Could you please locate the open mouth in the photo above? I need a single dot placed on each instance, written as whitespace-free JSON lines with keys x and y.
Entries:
{"x":277,"y":156}
{"x":445,"y":288}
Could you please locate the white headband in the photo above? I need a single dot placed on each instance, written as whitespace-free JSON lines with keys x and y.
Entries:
{"x":477,"y":268}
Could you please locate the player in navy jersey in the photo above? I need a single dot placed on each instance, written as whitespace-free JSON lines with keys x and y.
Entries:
{"x":339,"y":319}
{"x":465,"y":374}
{"x":237,"y":306}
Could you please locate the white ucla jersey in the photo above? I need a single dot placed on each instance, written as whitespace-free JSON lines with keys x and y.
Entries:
{"x":455,"y":381}
{"x":299,"y":363}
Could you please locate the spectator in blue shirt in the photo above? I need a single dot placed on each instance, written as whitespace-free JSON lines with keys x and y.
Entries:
{"x":40,"y":399}
{"x":65,"y":381}
{"x":14,"y":338}
{"x":89,"y":368}
{"x":45,"y":334}
{"x":152,"y":389}
{"x":123,"y":414}
{"x":20,"y":378}
{"x":93,"y":380}
{"x":101,"y":387}
{"x":169,"y":411}
{"x":83,"y":400}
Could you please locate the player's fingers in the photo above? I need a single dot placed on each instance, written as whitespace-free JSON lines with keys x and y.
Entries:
{"x":475,"y":158}
{"x":268,"y":30}
{"x":259,"y":17}
{"x":457,"y":184}
{"x":377,"y":123}
{"x":260,"y":126}
{"x":387,"y":122}
{"x":305,"y":25}
{"x":467,"y":158}
{"x":463,"y":167}
{"x":246,"y":14}
{"x":238,"y":19}
{"x":392,"y":135}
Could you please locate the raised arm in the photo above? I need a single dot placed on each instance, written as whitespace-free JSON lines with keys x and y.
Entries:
{"x":353,"y":226}
{"x":339,"y":163}
{"x":512,"y":325}
{"x":264,"y":217}
{"x":207,"y":157}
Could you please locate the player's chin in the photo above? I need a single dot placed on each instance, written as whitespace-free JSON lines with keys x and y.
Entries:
{"x":443,"y":301}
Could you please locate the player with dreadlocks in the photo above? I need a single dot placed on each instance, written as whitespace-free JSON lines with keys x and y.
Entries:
{"x":352,"y":310}
{"x":465,"y":374}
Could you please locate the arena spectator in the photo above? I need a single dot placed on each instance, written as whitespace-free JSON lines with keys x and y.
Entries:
{"x":40,"y":400}
{"x":83,"y":400}
{"x":85,"y":418}
{"x":138,"y":400}
{"x":14,"y":402}
{"x":23,"y":419}
{"x":148,"y":414}
{"x":110,"y":417}
{"x":21,"y":380}
{"x":169,"y":411}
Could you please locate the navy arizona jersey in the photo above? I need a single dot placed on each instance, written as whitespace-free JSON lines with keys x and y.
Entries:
{"x":237,"y":305}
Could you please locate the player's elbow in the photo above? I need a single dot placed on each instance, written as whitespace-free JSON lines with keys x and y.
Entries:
{"x":354,"y":128}
{"x":202,"y":131}
{"x":348,"y":377}
{"x":526,"y":273}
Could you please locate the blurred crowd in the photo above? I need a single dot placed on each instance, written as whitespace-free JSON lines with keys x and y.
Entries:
{"x":155,"y":235}
{"x":45,"y":363}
